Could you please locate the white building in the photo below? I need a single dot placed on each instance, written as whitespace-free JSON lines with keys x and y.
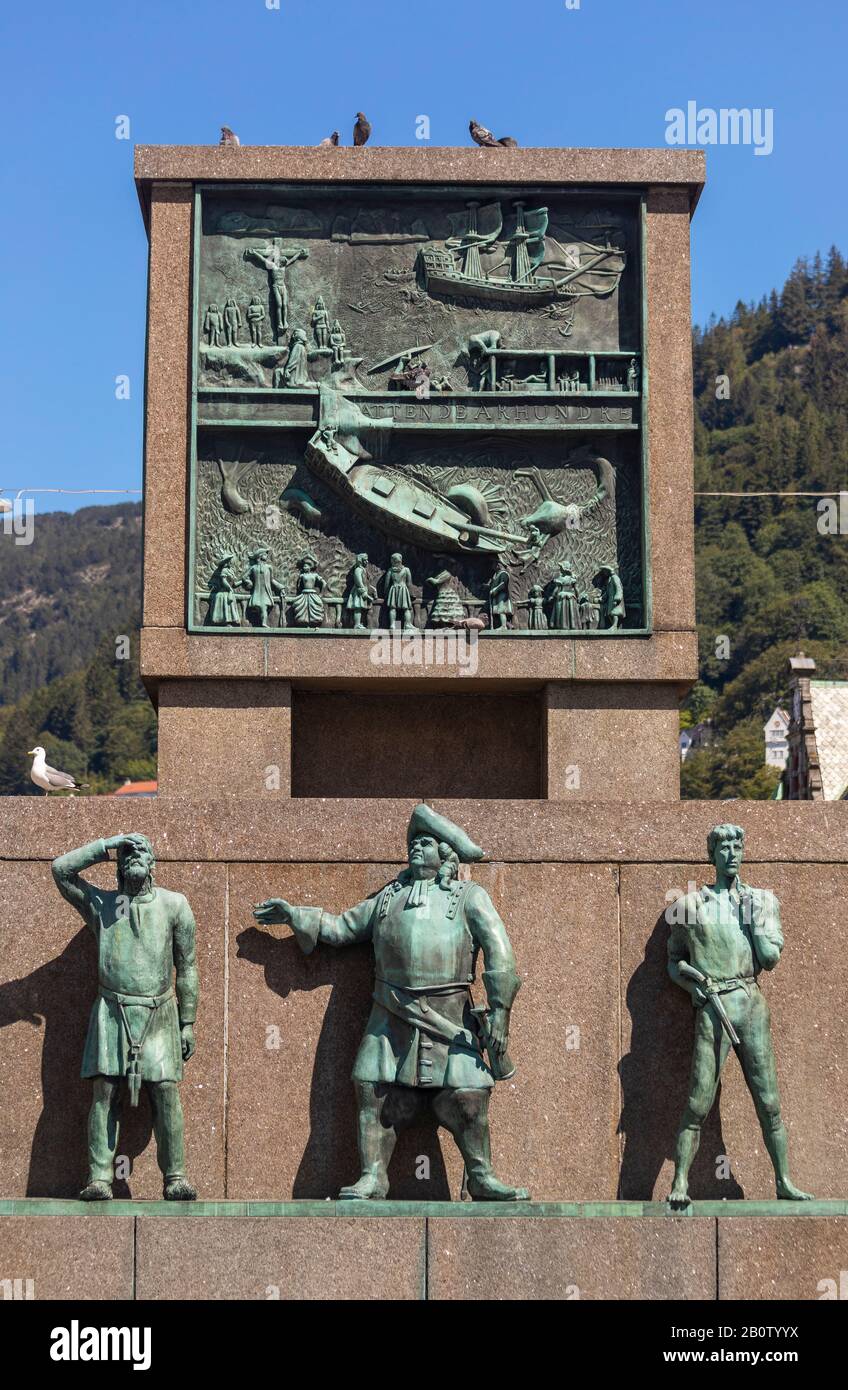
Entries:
{"x":776,"y":732}
{"x":817,"y":769}
{"x":700,"y":736}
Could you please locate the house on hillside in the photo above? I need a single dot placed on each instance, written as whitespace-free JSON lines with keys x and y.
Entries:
{"x":699,"y":736}
{"x":135,"y":789}
{"x":817,"y":764}
{"x":776,"y":731}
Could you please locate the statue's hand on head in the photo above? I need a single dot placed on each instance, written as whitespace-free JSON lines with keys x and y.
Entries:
{"x":117,"y":841}
{"x":274,"y":912}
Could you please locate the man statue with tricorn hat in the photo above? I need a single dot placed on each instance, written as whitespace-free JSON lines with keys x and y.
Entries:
{"x":424,"y":1039}
{"x":141,"y":1027}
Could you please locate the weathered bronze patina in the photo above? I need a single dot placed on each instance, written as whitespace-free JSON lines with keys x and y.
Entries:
{"x":142,"y":1024}
{"x":721,"y":938}
{"x":424,"y":1040}
{"x":452,"y":374}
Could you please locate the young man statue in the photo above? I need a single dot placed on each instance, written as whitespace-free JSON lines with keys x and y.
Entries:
{"x":141,"y":1028}
{"x":422,"y":1040}
{"x":721,"y":938}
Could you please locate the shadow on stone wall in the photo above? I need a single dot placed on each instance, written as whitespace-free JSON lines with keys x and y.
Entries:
{"x":55,"y":1000}
{"x":655,"y":1081}
{"x":330,"y":1158}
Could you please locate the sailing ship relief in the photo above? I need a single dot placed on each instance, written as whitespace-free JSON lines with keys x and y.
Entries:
{"x":531,"y":268}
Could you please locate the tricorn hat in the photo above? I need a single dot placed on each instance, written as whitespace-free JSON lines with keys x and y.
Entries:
{"x":425,"y":821}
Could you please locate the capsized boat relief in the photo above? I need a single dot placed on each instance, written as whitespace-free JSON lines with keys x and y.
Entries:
{"x":394,"y":502}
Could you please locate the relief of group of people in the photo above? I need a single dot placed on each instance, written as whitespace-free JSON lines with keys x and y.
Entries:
{"x":263,"y":593}
{"x":560,"y":606}
{"x":222,"y":327}
{"x":563,"y":604}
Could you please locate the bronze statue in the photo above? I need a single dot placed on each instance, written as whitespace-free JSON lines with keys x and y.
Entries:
{"x":296,"y":370}
{"x":265,"y":592}
{"x":612,"y":600}
{"x":398,"y":587}
{"x":141,"y":1027}
{"x":361,"y":595}
{"x":500,"y":604}
{"x":276,"y":259}
{"x":424,"y":1039}
{"x":255,"y":319}
{"x":308,"y":604}
{"x":232,"y":322}
{"x":224,"y":608}
{"x":721,"y":938}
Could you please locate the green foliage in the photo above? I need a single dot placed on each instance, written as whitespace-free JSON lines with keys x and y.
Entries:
{"x":732,"y":767}
{"x":64,"y":602}
{"x":78,"y":581}
{"x":769,"y":582}
{"x":97,"y":724}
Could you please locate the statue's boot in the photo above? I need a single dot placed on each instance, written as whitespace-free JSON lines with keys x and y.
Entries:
{"x":96,"y":1191}
{"x":103,"y":1129}
{"x":170,"y":1142}
{"x":372,"y":1186}
{"x":376,"y":1145}
{"x":466,"y":1115}
{"x":179,"y":1189}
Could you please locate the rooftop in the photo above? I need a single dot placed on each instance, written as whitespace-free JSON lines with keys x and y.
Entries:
{"x":829,"y":700}
{"x":576,"y":168}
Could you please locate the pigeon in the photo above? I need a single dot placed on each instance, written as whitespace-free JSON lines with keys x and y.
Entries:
{"x":228,"y":137}
{"x":330,"y":139}
{"x":362,"y":129}
{"x":481,"y":136}
{"x":49,"y":778}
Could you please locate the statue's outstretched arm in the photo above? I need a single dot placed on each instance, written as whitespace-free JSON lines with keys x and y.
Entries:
{"x":312,"y":924}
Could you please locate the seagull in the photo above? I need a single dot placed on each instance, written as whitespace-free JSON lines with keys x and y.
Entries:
{"x":228,"y":137}
{"x":481,"y":136}
{"x":362,"y":129}
{"x":330,"y":139}
{"x":46,"y":777}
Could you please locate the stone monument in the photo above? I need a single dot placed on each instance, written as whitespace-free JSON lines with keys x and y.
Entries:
{"x":418,"y":528}
{"x":471,"y":369}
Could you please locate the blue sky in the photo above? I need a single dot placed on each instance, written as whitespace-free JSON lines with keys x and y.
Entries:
{"x":602,"y":74}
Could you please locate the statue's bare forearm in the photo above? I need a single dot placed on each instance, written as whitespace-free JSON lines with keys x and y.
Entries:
{"x":67,"y":872}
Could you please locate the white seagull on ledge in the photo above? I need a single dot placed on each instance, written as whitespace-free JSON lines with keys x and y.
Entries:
{"x":46,"y":777}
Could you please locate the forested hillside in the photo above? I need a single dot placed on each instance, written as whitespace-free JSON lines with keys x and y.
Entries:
{"x":98,"y":724}
{"x":771,"y":415}
{"x":67,"y":679}
{"x":80,"y":578}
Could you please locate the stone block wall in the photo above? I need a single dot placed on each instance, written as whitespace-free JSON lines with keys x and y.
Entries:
{"x":601,"y":1037}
